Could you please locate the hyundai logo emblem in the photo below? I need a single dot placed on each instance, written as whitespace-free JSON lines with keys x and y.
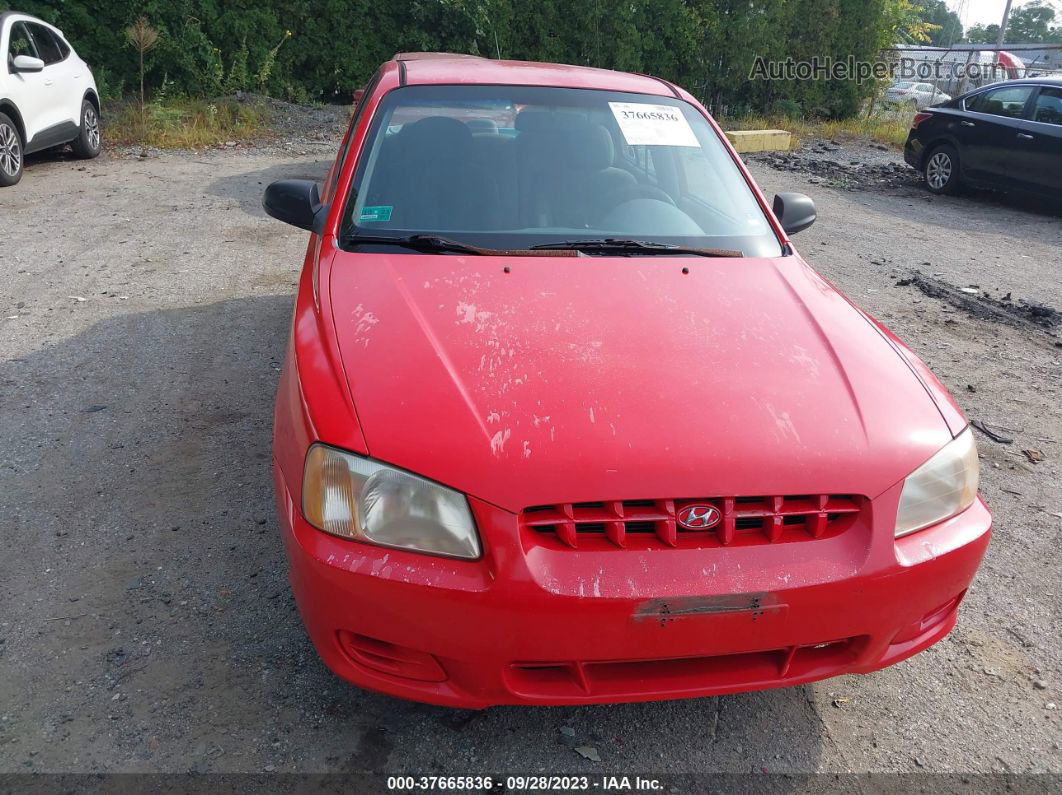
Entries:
{"x":698,"y":517}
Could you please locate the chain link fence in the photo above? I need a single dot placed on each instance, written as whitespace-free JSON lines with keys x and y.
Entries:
{"x":961,"y":68}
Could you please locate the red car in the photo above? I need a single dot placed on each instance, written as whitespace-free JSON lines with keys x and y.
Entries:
{"x":566,"y":419}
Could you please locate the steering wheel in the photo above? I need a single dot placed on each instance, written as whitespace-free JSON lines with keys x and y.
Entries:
{"x":633,"y":193}
{"x":643,"y":192}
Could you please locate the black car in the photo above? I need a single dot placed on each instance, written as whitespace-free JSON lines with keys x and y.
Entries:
{"x":1006,"y":136}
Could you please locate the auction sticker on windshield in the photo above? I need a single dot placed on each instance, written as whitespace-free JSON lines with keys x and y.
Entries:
{"x":381,"y":213}
{"x":653,"y":125}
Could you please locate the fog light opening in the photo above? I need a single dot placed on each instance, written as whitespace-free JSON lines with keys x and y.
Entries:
{"x":929,"y":621}
{"x":390,"y":658}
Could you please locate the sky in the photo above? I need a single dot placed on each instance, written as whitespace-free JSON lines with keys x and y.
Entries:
{"x":988,"y":12}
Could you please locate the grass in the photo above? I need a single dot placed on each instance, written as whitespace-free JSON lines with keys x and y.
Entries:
{"x":884,"y":127}
{"x":179,"y":123}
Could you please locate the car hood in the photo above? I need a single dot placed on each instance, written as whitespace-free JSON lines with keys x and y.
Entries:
{"x":594,"y":378}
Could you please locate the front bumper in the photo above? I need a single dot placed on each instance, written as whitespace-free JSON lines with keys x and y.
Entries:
{"x":532,"y":625}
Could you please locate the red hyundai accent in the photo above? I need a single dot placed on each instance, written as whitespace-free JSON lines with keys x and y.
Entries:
{"x":566,"y":419}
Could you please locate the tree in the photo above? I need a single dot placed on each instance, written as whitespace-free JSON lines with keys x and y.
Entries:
{"x":909,"y":24}
{"x":142,"y":37}
{"x":334,"y":46}
{"x":949,"y":28}
{"x":1032,"y":23}
{"x":983,"y":34}
{"x":730,"y":34}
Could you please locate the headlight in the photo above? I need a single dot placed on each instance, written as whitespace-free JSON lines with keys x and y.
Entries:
{"x":350,"y":496}
{"x":943,"y":486}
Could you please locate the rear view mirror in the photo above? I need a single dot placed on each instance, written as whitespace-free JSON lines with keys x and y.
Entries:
{"x":296,"y":202}
{"x":27,"y":63}
{"x":795,"y":211}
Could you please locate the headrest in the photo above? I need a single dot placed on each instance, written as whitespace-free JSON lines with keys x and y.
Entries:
{"x":548,"y":121}
{"x":478,"y":126}
{"x":565,"y":140}
{"x":435,"y":136}
{"x":597,"y":147}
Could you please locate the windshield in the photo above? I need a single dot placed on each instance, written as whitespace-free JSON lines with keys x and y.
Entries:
{"x":511,"y":167}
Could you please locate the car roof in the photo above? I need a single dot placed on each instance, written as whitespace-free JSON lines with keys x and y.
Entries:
{"x":1049,"y":79}
{"x":1024,"y":81}
{"x":21,"y":15}
{"x":434,"y":68}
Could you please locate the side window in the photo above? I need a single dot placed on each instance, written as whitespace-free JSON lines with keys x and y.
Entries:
{"x":337,"y":166}
{"x":1009,"y":102}
{"x":64,"y":48}
{"x":47,"y":48}
{"x":20,"y":43}
{"x":349,"y":139}
{"x":1048,"y":107}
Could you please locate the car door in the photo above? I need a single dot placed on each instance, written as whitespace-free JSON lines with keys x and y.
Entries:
{"x":924,"y":93}
{"x":69,"y":73}
{"x":58,"y":85}
{"x":990,"y":153}
{"x":1040,"y":140}
{"x":25,"y":89}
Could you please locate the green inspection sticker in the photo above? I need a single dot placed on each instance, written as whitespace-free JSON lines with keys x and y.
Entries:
{"x":381,"y":213}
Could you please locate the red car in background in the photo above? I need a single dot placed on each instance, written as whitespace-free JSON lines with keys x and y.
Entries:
{"x":566,"y":419}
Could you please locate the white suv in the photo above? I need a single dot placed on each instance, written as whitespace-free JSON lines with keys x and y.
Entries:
{"x":48,"y":96}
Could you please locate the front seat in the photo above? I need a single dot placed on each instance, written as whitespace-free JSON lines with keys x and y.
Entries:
{"x":430,"y":158}
{"x":567,"y":176}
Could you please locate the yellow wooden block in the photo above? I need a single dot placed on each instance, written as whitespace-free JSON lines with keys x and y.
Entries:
{"x":759,"y":140}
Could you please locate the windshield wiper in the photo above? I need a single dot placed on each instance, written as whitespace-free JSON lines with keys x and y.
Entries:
{"x":437,"y":243}
{"x":421,"y":242}
{"x":636,"y":246}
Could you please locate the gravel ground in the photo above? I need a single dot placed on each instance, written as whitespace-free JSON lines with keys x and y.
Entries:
{"x":146,"y":621}
{"x":849,"y":165}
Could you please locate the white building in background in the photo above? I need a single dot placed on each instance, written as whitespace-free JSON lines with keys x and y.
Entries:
{"x":963,"y":67}
{"x":1042,"y":59}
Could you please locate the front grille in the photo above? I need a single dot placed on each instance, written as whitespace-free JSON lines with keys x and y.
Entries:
{"x":586,"y":679}
{"x":643,"y":524}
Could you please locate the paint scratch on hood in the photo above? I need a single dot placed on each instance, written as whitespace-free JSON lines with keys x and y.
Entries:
{"x":467,"y":313}
{"x":363,"y":323}
{"x":497,"y":442}
{"x":783,"y":423}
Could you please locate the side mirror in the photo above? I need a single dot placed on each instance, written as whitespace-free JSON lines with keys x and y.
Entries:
{"x":27,"y":63}
{"x":795,"y":211}
{"x":296,"y":202}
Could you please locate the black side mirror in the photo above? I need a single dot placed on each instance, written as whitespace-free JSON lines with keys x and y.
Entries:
{"x":296,"y":202}
{"x":795,"y":211}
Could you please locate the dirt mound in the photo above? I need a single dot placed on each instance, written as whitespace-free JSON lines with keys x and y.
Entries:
{"x":981,"y":304}
{"x":300,"y":122}
{"x":849,"y":166}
